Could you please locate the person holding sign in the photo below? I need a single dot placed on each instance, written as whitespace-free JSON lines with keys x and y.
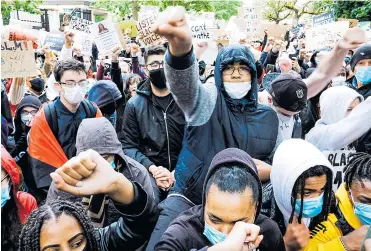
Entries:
{"x":302,"y":185}
{"x":346,"y":228}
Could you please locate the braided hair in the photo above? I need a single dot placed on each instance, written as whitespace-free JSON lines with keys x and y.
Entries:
{"x":328,"y":198}
{"x":358,"y":169}
{"x":29,"y":240}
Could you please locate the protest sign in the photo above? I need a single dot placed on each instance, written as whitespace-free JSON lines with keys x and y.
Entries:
{"x":84,"y":41}
{"x":210,"y":21}
{"x":17,"y":59}
{"x":79,"y":24}
{"x":199,"y":29}
{"x":324,"y":18}
{"x":325,"y":35}
{"x":252,"y":19}
{"x":105,"y":36}
{"x":55,"y":41}
{"x":352,"y":22}
{"x":130,"y":24}
{"x":366,"y":26}
{"x":338,"y":159}
{"x":144,"y":30}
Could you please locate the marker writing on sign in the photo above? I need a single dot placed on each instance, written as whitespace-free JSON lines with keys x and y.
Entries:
{"x":11,"y":46}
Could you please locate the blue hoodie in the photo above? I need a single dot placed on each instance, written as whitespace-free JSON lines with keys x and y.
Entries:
{"x":215,"y":121}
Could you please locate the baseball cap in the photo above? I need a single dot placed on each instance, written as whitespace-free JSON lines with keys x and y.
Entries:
{"x":289,"y":92}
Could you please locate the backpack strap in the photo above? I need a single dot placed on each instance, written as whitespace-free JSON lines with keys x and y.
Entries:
{"x":342,"y":223}
{"x":89,"y":108}
{"x":51,"y":118}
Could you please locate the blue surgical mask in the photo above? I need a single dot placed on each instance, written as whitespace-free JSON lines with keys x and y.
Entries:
{"x":4,"y":195}
{"x":213,"y":235}
{"x":363,"y":74}
{"x":113,"y":164}
{"x":311,"y":208}
{"x":346,"y":59}
{"x":362,"y":211}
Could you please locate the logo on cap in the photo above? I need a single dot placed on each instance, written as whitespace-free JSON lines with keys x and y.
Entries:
{"x":300,"y":93}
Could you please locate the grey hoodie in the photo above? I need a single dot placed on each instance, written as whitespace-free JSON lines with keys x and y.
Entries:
{"x":98,"y":134}
{"x":334,"y":130}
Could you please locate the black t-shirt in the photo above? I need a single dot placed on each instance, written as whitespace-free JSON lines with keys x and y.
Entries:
{"x":162,"y":102}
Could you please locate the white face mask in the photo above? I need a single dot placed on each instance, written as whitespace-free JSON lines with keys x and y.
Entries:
{"x":26,"y":119}
{"x":74,"y":95}
{"x":338,"y":81}
{"x":237,"y":90}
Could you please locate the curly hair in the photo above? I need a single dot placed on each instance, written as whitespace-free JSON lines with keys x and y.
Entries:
{"x":29,"y":240}
{"x":328,"y":198}
{"x":358,"y":169}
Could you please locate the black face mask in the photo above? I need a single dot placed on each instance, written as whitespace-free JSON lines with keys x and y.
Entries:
{"x":37,"y":84}
{"x":157,"y":78}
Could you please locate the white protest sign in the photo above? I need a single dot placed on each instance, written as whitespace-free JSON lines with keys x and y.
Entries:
{"x":338,"y":159}
{"x":85,"y":42}
{"x":199,"y":29}
{"x":79,"y":24}
{"x":17,"y":59}
{"x":325,"y":35}
{"x":144,"y":30}
{"x":105,"y":36}
{"x":252,"y":19}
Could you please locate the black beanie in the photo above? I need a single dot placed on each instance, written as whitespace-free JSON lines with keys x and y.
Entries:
{"x":363,"y":52}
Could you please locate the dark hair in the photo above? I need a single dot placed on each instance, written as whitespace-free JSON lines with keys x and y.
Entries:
{"x":29,"y":240}
{"x":154,"y":50}
{"x":358,"y":169}
{"x":67,"y":65}
{"x":233,"y":178}
{"x":300,"y":185}
{"x":10,"y":223}
{"x":128,"y":80}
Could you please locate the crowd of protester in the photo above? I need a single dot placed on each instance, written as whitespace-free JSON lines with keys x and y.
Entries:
{"x":153,"y":149}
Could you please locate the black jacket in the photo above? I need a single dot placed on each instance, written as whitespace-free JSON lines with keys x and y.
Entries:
{"x":364,"y":90}
{"x":186,"y":232}
{"x":150,"y":134}
{"x":43,"y":98}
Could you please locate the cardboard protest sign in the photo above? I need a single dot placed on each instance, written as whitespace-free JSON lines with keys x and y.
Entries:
{"x":252,"y":19}
{"x":325,"y":35}
{"x":199,"y":29}
{"x":338,"y":159}
{"x":105,"y":36}
{"x":324,"y":18}
{"x":55,"y":41}
{"x":352,"y":22}
{"x":85,"y":42}
{"x":144,"y":30}
{"x":366,"y":26}
{"x":79,"y":24}
{"x":130,"y":24}
{"x":17,"y":59}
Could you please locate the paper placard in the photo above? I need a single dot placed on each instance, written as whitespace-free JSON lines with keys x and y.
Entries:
{"x":17,"y":59}
{"x":79,"y":24}
{"x":85,"y":42}
{"x":366,"y":26}
{"x":105,"y":36}
{"x":323,"y":19}
{"x":144,"y":30}
{"x":325,"y":35}
{"x":55,"y":41}
{"x":199,"y":29}
{"x":338,"y":159}
{"x":252,"y":19}
{"x":130,"y":24}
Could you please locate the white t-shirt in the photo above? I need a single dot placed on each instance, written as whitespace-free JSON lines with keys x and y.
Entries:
{"x":285,"y":126}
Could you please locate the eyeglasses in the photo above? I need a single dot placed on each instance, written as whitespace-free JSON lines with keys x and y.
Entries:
{"x":6,"y":176}
{"x":243,"y":71}
{"x":71,"y":84}
{"x":25,"y":113}
{"x":155,"y":65}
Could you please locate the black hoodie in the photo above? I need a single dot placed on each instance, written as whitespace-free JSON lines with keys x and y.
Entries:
{"x":186,"y":231}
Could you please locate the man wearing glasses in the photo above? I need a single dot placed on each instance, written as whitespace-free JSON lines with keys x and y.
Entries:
{"x":53,"y":133}
{"x":154,"y":125}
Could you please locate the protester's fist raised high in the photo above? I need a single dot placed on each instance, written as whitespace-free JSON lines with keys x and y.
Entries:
{"x":352,"y":39}
{"x":172,"y":24}
{"x":69,"y":37}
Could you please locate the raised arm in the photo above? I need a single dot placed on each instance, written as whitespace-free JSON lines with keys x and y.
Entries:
{"x":331,"y":65}
{"x":181,"y":69}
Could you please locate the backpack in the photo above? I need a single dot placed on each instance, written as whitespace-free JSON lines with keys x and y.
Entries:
{"x":51,"y":114}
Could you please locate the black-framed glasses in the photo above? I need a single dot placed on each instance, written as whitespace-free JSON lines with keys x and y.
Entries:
{"x":25,"y":113}
{"x":6,"y":176}
{"x":155,"y":65}
{"x":71,"y":84}
{"x":243,"y":70}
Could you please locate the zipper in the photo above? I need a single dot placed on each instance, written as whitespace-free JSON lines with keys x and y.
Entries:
{"x":167,"y":135}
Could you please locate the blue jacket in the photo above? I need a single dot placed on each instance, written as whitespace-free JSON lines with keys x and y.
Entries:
{"x":215,"y":121}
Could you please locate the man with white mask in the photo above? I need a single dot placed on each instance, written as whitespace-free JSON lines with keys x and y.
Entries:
{"x":223,"y":115}
{"x":302,"y":184}
{"x":53,"y":133}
